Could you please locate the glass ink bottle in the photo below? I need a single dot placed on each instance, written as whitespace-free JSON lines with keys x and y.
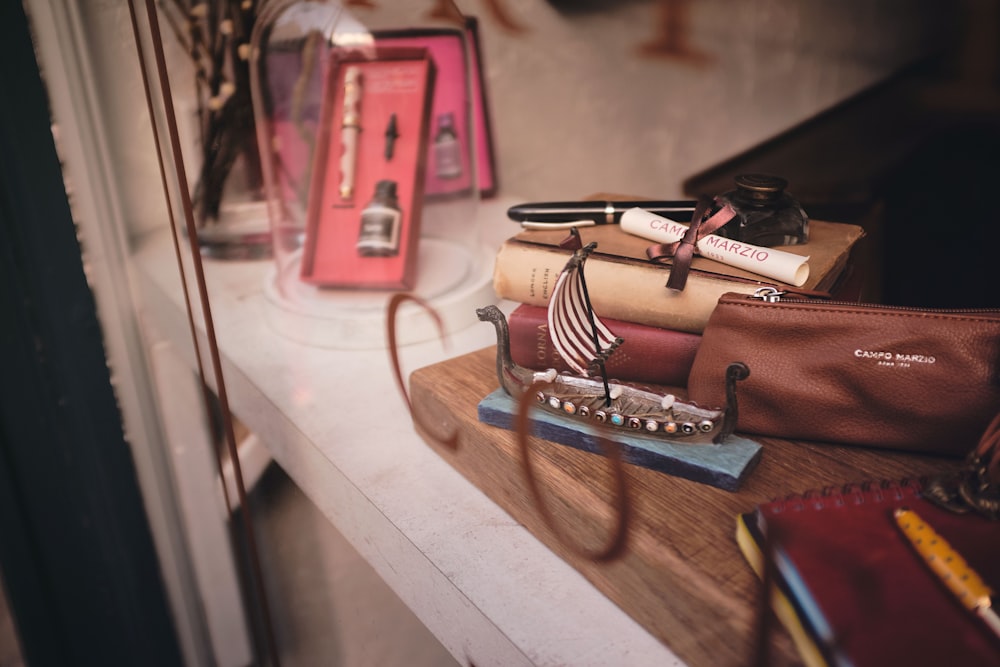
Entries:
{"x":447,"y":148}
{"x":380,"y":223}
{"x":765,"y":214}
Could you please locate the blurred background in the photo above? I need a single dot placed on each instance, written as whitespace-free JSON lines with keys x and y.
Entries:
{"x":878,"y":111}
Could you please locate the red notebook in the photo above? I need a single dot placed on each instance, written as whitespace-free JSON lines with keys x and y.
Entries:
{"x":852,"y":590}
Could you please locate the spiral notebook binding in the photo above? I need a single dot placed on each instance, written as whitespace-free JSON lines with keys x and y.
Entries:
{"x":852,"y":493}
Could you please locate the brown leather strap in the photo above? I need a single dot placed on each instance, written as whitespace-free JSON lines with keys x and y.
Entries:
{"x":622,"y":506}
{"x":450,"y":440}
{"x":251,"y":551}
{"x":616,"y":543}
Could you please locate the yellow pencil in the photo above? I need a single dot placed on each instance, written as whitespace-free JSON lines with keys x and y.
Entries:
{"x":949,"y":566}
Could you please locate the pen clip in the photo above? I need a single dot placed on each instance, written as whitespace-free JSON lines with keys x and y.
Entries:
{"x":528,"y":224}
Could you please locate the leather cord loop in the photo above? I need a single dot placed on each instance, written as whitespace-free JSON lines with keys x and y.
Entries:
{"x":451,"y":439}
{"x":617,"y":541}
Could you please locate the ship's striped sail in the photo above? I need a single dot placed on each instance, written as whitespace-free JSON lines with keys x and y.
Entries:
{"x":576,"y":332}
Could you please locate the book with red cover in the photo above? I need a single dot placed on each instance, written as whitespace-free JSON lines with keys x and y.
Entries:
{"x":851,"y":589}
{"x":649,"y":355}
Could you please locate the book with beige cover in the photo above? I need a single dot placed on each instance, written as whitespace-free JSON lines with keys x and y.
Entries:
{"x":625,"y":285}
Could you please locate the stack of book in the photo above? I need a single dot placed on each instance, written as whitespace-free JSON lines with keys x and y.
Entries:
{"x":661,"y":327}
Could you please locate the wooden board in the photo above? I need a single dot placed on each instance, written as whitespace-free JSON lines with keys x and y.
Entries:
{"x":681,"y":574}
{"x":724,"y":466}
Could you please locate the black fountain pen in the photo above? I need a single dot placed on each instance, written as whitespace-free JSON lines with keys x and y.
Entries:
{"x":556,"y":215}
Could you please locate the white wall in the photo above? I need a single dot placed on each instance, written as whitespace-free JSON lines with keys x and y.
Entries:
{"x":578,"y":108}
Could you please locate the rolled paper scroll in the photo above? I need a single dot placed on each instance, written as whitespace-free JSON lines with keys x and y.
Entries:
{"x":769,"y":262}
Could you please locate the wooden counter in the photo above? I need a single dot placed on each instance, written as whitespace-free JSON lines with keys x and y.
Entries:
{"x":681,"y":574}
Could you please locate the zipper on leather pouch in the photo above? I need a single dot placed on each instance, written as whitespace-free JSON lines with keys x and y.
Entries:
{"x":777,"y":296}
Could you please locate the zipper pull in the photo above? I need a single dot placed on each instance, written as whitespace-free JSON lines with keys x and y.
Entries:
{"x":768,"y":294}
{"x":774,"y":295}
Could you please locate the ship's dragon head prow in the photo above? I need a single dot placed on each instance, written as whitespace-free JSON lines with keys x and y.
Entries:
{"x":489,"y":313}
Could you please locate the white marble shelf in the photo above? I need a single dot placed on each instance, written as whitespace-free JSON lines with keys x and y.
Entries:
{"x":336,"y":423}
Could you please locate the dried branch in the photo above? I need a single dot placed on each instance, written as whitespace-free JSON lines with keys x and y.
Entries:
{"x":215,"y":34}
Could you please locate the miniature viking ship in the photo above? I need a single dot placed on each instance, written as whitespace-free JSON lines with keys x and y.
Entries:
{"x":585,"y":343}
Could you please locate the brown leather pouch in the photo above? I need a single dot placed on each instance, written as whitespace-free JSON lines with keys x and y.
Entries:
{"x":861,"y":374}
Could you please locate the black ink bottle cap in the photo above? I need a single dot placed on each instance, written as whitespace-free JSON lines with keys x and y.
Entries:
{"x":446,"y":122}
{"x":385,"y":191}
{"x":760,"y":188}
